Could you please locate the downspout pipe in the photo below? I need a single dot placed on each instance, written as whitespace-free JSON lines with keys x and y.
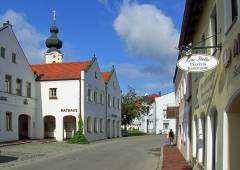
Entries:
{"x":106,"y":110}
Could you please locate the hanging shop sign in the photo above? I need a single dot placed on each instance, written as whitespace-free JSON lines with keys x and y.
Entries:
{"x":197,"y":63}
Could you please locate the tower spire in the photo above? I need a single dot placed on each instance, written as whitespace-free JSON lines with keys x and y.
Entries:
{"x":54,"y":17}
{"x":53,"y":43}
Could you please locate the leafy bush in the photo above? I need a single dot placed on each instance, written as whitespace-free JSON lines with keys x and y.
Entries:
{"x":79,"y":137}
{"x":135,"y":132}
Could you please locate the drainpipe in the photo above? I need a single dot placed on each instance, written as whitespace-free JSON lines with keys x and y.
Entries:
{"x":155,"y":116}
{"x":82,"y":101}
{"x":106,"y":110}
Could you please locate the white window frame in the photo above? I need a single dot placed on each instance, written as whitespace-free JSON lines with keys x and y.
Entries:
{"x":52,"y":93}
{"x":8,"y":121}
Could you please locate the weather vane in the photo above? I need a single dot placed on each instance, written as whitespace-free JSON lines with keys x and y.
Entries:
{"x":54,"y":16}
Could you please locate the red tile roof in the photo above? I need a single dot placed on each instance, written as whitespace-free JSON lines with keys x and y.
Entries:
{"x":106,"y":75}
{"x":60,"y":71}
{"x":153,"y":96}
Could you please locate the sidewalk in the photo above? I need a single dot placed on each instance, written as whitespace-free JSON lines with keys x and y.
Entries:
{"x":173,"y":159}
{"x":19,"y":142}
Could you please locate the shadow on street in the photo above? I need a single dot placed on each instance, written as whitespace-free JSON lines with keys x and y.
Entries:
{"x":5,"y":159}
{"x":155,"y":151}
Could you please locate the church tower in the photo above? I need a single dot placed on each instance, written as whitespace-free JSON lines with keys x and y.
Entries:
{"x":53,"y":54}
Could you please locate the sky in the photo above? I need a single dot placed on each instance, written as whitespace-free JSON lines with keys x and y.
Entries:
{"x":138,"y":37}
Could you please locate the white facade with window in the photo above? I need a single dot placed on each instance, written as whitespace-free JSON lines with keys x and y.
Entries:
{"x":156,"y":120}
{"x":17,"y":101}
{"x":34,"y":104}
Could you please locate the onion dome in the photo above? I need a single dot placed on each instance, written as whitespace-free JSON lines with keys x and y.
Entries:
{"x":53,"y":43}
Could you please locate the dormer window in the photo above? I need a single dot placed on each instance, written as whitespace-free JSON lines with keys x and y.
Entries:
{"x":96,"y":76}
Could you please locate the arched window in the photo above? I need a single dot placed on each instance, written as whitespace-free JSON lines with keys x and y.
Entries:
{"x":195,"y":137}
{"x":201,"y":139}
{"x":95,"y":125}
{"x":89,"y":125}
{"x":101,"y":125}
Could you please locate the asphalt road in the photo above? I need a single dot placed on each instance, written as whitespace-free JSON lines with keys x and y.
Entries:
{"x":132,"y":153}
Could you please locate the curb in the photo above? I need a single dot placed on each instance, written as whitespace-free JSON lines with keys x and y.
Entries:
{"x":14,"y":143}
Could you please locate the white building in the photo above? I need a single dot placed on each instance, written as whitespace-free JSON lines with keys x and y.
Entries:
{"x":50,"y":97}
{"x":183,"y":98}
{"x":156,"y":121}
{"x":17,"y":89}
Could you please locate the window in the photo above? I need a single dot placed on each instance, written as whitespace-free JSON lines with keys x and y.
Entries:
{"x":95,"y":125}
{"x":109,"y":101}
{"x":165,"y":126}
{"x":96,"y":76}
{"x":53,"y":93}
{"x":89,"y":95}
{"x":101,"y":125}
{"x":95,"y":97}
{"x":234,"y":6}
{"x":89,"y":126}
{"x":101,"y":98}
{"x":28,"y":86}
{"x":214,"y":28}
{"x":113,"y":101}
{"x":118,"y":103}
{"x":13,"y":57}
{"x":231,"y":14}
{"x":2,"y":52}
{"x":8,"y":121}
{"x":8,"y":84}
{"x":19,"y":87}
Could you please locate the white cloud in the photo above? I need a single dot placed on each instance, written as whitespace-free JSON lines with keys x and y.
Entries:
{"x":147,"y":32}
{"x":132,"y":71}
{"x":158,"y":85}
{"x":30,"y":39}
{"x":104,"y":2}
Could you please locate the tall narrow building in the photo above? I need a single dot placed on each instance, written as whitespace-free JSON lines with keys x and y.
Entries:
{"x":53,"y":54}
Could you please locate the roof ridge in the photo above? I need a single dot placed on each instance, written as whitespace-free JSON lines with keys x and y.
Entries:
{"x":62,"y":63}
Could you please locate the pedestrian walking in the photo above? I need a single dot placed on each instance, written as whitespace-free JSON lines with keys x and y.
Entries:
{"x":171,"y":136}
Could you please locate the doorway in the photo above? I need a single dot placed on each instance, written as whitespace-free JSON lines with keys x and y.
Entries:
{"x":23,"y":126}
{"x":69,"y":126}
{"x":49,"y":126}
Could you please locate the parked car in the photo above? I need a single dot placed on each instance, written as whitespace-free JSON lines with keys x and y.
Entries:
{"x":124,"y":133}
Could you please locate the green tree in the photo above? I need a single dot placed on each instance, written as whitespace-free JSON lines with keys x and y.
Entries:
{"x":79,"y":137}
{"x":133,"y":106}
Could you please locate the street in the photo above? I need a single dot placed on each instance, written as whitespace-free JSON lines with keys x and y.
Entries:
{"x":131,"y":153}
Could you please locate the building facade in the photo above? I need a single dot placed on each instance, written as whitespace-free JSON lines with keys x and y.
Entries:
{"x":182,"y":88}
{"x":215,"y":110}
{"x":50,"y":98}
{"x":156,"y":121}
{"x":17,"y":89}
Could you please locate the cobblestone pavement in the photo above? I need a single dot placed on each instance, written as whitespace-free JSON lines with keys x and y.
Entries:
{"x":135,"y":153}
{"x":173,"y":159}
{"x":11,"y":155}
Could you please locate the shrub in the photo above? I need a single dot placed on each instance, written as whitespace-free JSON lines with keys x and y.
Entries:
{"x":79,"y":137}
{"x":135,"y":132}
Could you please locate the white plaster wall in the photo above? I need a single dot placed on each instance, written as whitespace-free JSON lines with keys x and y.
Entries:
{"x":156,"y":113}
{"x":15,"y":103}
{"x":91,"y":108}
{"x":114,"y":113}
{"x":68,"y":97}
{"x":161,"y":103}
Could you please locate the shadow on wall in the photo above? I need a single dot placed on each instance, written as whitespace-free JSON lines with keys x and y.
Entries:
{"x":5,"y":159}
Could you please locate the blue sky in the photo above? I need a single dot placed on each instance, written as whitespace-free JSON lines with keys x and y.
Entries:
{"x":137,"y":36}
